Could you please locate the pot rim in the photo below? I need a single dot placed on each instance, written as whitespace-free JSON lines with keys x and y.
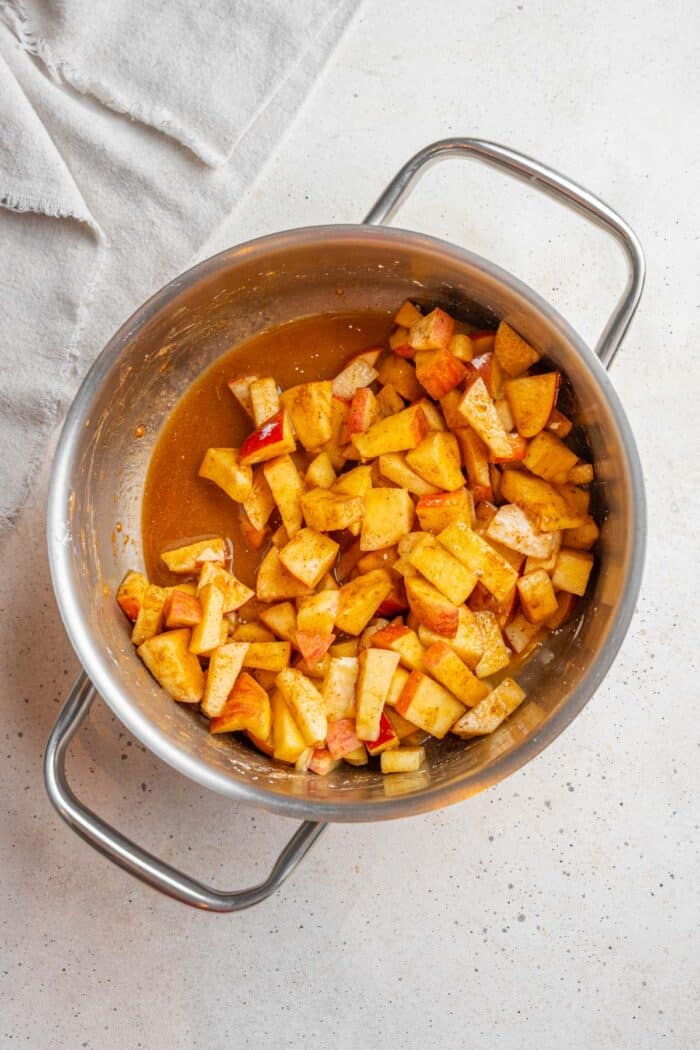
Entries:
{"x":92,"y":655}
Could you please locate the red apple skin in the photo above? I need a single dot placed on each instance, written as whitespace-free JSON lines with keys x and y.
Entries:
{"x":405,"y":350}
{"x":392,"y":605}
{"x":130,"y":607}
{"x":268,"y":441}
{"x":519,"y":446}
{"x":386,"y":737}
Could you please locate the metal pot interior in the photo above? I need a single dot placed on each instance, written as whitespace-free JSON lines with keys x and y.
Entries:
{"x":100,"y":467}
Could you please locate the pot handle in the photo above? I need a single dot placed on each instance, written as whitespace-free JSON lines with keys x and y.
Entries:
{"x":113,"y":845}
{"x":550,"y":182}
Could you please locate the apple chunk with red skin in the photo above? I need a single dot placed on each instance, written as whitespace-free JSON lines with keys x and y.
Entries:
{"x":272,"y":439}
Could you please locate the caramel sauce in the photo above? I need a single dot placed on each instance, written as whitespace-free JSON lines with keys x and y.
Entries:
{"x":179,"y":506}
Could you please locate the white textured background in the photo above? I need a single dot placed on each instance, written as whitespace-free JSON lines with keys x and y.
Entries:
{"x":559,"y":909}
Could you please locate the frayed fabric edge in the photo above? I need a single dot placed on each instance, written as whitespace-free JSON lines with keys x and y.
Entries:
{"x":50,"y":409}
{"x":15,"y":16}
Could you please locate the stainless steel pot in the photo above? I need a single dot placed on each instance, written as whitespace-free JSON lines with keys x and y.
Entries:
{"x":99,"y":469}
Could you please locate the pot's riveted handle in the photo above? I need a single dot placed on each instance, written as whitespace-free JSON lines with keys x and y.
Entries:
{"x":550,"y":182}
{"x":108,"y":841}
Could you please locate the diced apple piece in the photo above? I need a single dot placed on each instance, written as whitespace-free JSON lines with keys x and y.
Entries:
{"x":407,"y":315}
{"x":184,"y":561}
{"x":517,"y":453}
{"x":549,"y":458}
{"x":259,"y":503}
{"x":532,"y":400}
{"x":537,"y":596}
{"x":566,"y":603}
{"x":207,"y":634}
{"x":287,"y":489}
{"x":404,"y":430}
{"x":377,"y":667}
{"x":281,"y":619}
{"x":481,"y":600}
{"x":581,"y":473}
{"x":364,"y":411}
{"x":577,"y":500}
{"x":309,"y":556}
{"x":480,"y":413}
{"x":402,"y":760}
{"x":393,"y":465}
{"x":548,"y":508}
{"x":495,"y":656}
{"x":225,"y":665}
{"x":439,"y":371}
{"x":354,"y":482}
{"x":389,"y":401}
{"x":444,"y":571}
{"x":317,"y":613}
{"x":559,"y":424}
{"x":334,"y":447}
{"x":462,"y":347}
{"x":437,"y":460}
{"x":268,"y":656}
{"x":436,"y":512}
{"x":401,"y":640}
{"x":320,"y":472}
{"x":254,"y":538}
{"x":313,"y":645}
{"x":431,"y":608}
{"x":359,"y":372}
{"x":432,"y":332}
{"x":388,"y":515}
{"x":173,"y":666}
{"x":274,"y":583}
{"x":306,"y":704}
{"x":264,"y":399}
{"x":223,"y":467}
{"x":467,"y":643}
{"x":266,"y":746}
{"x":497,"y":575}
{"x":433,"y":415}
{"x":316,"y":672}
{"x":475,"y":455}
{"x":572,"y":571}
{"x":584,"y":537}
{"x":360,"y":599}
{"x":322,"y":762}
{"x":513,"y":353}
{"x":309,"y":407}
{"x":386,"y":738}
{"x":511,"y":526}
{"x":150,"y":615}
{"x":401,"y":726}
{"x":274,"y":438}
{"x":240,"y":388}
{"x":428,"y":705}
{"x":235,"y":593}
{"x":398,"y":342}
{"x":504,"y":414}
{"x":520,"y":633}
{"x":288,"y":742}
{"x":181,"y":610}
{"x":339,"y":687}
{"x":398,"y":681}
{"x":491,"y":711}
{"x":394,"y":603}
{"x":401,"y":375}
{"x":326,"y":510}
{"x":342,"y":739}
{"x":247,"y":707}
{"x":348,"y":647}
{"x":130,"y":594}
{"x":483,"y":341}
{"x":442,"y":662}
{"x":449,"y":407}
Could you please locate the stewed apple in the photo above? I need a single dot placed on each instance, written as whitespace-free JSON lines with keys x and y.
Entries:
{"x":418,"y":522}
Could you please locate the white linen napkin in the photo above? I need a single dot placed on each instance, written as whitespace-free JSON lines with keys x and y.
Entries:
{"x":97,"y":211}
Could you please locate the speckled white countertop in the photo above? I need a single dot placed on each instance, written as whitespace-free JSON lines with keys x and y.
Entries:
{"x":558,"y":909}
